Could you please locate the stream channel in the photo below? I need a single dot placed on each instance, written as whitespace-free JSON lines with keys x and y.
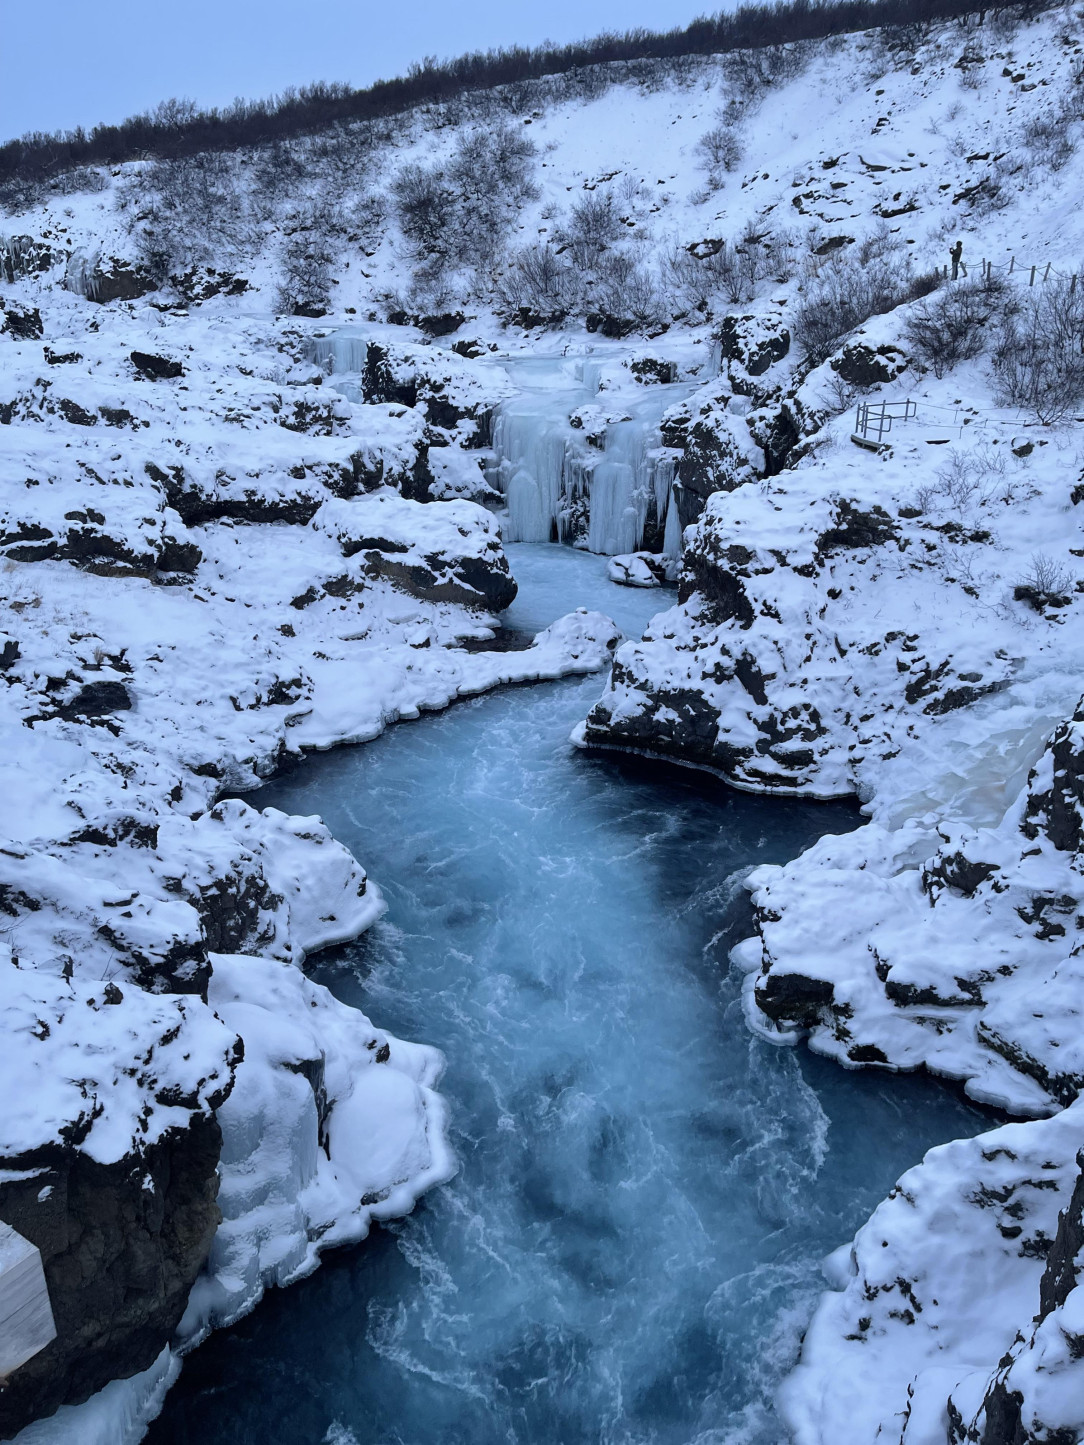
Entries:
{"x":632,"y":1245}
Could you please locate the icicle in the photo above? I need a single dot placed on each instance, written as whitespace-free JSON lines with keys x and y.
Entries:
{"x":671,"y":542}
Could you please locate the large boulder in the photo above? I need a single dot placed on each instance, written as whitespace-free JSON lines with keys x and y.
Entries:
{"x":107,"y":278}
{"x":108,"y":1165}
{"x":438,"y":551}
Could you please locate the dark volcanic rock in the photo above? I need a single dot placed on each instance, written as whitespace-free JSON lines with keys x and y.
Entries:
{"x":108,"y":278}
{"x":23,"y":256}
{"x":121,"y":1245}
{"x":472,"y":581}
{"x":98,"y":699}
{"x":1056,"y":789}
{"x":158,"y":368}
{"x":854,"y":528}
{"x":863,"y":365}
{"x":754,"y":343}
{"x":21,"y":323}
{"x":794,"y":998}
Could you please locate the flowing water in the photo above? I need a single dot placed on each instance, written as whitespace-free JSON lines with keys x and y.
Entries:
{"x":632,"y":1245}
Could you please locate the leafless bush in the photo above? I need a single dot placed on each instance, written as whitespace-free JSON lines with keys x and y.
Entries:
{"x":950,"y":326}
{"x":694,"y":279}
{"x":1049,"y":137}
{"x":839,"y":395}
{"x":720,"y":150}
{"x":966,"y":480}
{"x":845,"y":293}
{"x":748,"y":74}
{"x":423,"y":204}
{"x":536,"y":279}
{"x":1039,"y":358}
{"x":305,"y":283}
{"x":1046,"y":583}
{"x":625,"y":290}
{"x":277,"y":174}
{"x":457,"y":214}
{"x":593,"y":224}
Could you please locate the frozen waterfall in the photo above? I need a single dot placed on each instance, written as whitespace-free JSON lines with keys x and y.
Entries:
{"x":574,"y":461}
{"x":578,"y":465}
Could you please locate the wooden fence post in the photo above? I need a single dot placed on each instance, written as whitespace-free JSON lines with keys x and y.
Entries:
{"x":1032,"y":281}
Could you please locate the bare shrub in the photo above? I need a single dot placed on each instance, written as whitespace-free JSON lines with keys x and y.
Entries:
{"x":950,"y":326}
{"x":625,"y":290}
{"x":457,"y":214}
{"x":845,"y":293}
{"x":1045,"y":583}
{"x":305,"y":283}
{"x":1049,"y":137}
{"x":748,"y":74}
{"x":537,"y":280}
{"x":423,"y":206}
{"x":967,"y":479}
{"x":720,"y":150}
{"x":278,"y":173}
{"x":1039,"y":358}
{"x":593,"y":224}
{"x":695,"y":278}
{"x":190,"y":211}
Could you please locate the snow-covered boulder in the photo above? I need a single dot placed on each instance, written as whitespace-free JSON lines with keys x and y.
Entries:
{"x":440,"y":551}
{"x":640,"y":569}
{"x":109,"y":1148}
{"x":927,"y":1336}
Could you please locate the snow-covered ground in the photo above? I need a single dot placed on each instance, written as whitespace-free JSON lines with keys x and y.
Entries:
{"x":229,"y":535}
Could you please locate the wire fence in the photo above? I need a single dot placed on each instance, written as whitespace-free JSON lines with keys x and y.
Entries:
{"x":1034,"y":275}
{"x":876,"y":420}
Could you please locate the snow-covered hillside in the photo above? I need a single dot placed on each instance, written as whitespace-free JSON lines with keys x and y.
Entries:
{"x":262,"y":419}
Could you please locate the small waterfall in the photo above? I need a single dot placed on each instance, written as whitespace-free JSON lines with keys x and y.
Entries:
{"x":345,"y":350}
{"x":559,"y":484}
{"x":598,"y":486}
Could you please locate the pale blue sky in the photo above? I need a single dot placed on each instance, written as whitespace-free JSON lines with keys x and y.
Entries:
{"x":65,"y":64}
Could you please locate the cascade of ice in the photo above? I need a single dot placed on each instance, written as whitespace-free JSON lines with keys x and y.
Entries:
{"x":531,"y":449}
{"x":557,"y":484}
{"x":345,"y":350}
{"x":671,"y":542}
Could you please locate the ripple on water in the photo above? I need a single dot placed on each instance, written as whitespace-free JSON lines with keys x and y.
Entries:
{"x":631,"y":1248}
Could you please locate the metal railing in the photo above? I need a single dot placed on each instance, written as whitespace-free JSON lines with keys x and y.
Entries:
{"x":873,"y":420}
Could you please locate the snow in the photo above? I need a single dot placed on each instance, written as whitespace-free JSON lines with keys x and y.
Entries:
{"x":940,"y":1279}
{"x":200,"y":547}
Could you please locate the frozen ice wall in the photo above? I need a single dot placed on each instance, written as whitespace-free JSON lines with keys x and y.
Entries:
{"x":575,"y":459}
{"x":595,"y":483}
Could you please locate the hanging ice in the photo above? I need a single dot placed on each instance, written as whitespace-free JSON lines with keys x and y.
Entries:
{"x":345,"y":349}
{"x":552,"y":477}
{"x":596,"y":488}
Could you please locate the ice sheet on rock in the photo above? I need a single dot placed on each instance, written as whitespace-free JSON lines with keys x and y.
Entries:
{"x":331,"y":1123}
{"x":641,"y":569}
{"x":117,"y":1415}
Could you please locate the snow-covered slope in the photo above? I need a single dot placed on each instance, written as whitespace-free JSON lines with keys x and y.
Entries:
{"x":229,"y":534}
